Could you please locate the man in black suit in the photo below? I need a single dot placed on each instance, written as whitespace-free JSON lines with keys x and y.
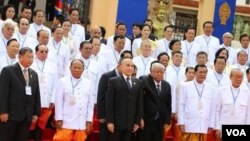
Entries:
{"x":123,"y":104}
{"x":19,"y":98}
{"x":102,"y":89}
{"x":157,"y":103}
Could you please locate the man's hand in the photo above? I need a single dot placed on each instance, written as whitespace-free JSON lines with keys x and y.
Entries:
{"x":136,"y":127}
{"x":59,"y":124}
{"x":89,"y":127}
{"x":102,"y":120}
{"x":182,"y":128}
{"x":34,"y":119}
{"x":110,"y":127}
{"x":4,"y":117}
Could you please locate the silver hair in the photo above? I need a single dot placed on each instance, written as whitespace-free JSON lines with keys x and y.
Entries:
{"x":235,"y":70}
{"x":8,"y":22}
{"x":157,"y":65}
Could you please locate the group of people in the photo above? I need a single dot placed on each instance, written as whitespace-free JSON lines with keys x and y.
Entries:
{"x":143,"y":88}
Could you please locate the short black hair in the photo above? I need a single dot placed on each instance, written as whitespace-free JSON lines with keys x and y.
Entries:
{"x":73,"y":9}
{"x":38,"y":32}
{"x":216,"y":59}
{"x":11,"y":40}
{"x":37,"y":47}
{"x":23,"y":51}
{"x":188,"y":68}
{"x":137,"y":25}
{"x":126,"y":52}
{"x":242,"y":36}
{"x":168,"y":26}
{"x":248,"y":70}
{"x":38,"y":10}
{"x":120,"y":23}
{"x":26,"y":7}
{"x":60,"y":18}
{"x":208,"y":22}
{"x":162,"y":54}
{"x":55,"y":28}
{"x":103,"y":30}
{"x":201,"y":53}
{"x":118,"y":36}
{"x":199,"y":66}
{"x":83,"y":43}
{"x":176,"y":52}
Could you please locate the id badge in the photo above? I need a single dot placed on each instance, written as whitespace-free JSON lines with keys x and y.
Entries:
{"x":28,"y":90}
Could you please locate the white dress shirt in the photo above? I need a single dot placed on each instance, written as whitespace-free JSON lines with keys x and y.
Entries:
{"x":174,"y":75}
{"x":162,"y":45}
{"x":34,"y":28}
{"x":59,"y":54}
{"x":143,"y":65}
{"x":232,"y":107}
{"x":25,"y":40}
{"x":78,"y":32}
{"x":47,"y":77}
{"x":5,"y":60}
{"x":110,"y":43}
{"x":232,"y":54}
{"x":112,"y":56}
{"x":189,"y":51}
{"x":3,"y":45}
{"x":209,"y":44}
{"x":91,"y":72}
{"x":74,"y":103}
{"x":196,"y":107}
{"x":217,"y":80}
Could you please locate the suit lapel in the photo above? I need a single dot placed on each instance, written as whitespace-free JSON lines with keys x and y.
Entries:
{"x":152,"y":83}
{"x":19,"y":73}
{"x":123,"y":81}
{"x":30,"y":77}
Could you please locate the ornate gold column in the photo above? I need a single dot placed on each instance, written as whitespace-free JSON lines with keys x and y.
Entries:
{"x":103,"y":13}
{"x":205,"y":13}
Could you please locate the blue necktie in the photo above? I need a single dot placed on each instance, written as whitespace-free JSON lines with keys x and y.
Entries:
{"x":128,"y":83}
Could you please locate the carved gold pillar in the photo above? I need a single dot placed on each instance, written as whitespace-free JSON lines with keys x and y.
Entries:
{"x":205,"y":13}
{"x":103,"y":13}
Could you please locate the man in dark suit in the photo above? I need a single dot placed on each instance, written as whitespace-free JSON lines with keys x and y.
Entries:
{"x":19,"y":98}
{"x":157,"y":103}
{"x":123,"y":104}
{"x":102,"y":89}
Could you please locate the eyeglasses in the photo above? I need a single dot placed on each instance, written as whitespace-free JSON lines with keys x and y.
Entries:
{"x":43,"y":51}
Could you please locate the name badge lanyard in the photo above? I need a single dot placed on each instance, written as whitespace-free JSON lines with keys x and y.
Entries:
{"x":74,"y":85}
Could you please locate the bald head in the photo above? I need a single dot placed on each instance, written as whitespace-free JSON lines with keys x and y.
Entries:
{"x":95,"y":31}
{"x":127,"y":66}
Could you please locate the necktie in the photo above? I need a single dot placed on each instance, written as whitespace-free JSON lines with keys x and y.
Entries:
{"x":128,"y":83}
{"x":26,"y":75}
{"x":158,"y":89}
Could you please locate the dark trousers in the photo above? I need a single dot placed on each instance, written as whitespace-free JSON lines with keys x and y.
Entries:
{"x":14,"y":131}
{"x":152,"y":131}
{"x":103,"y":131}
{"x":119,"y":135}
